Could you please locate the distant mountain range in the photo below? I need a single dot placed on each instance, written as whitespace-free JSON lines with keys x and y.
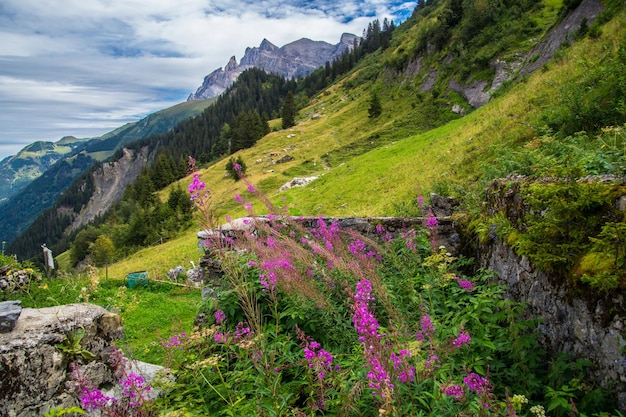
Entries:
{"x":32,"y":180}
{"x":294,"y":60}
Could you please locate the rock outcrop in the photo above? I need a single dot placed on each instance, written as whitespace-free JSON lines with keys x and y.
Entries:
{"x":9,"y":313}
{"x":296,"y":59}
{"x":35,"y":374}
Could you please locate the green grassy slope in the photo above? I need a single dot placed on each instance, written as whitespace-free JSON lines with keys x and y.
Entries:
{"x":379,"y":166}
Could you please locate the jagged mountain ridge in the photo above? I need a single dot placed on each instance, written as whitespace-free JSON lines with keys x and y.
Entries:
{"x":293,"y":60}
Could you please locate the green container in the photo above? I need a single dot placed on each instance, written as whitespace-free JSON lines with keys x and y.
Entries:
{"x":136,"y":279}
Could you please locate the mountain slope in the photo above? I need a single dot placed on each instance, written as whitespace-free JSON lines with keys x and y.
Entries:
{"x":19,"y":170}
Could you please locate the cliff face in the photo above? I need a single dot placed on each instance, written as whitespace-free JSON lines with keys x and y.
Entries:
{"x":296,"y":59}
{"x":110,"y":182}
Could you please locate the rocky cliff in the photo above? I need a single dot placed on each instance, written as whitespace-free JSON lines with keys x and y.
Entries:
{"x":296,"y":59}
{"x":110,"y":182}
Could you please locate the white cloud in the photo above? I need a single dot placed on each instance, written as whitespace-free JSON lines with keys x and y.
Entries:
{"x":84,"y":67}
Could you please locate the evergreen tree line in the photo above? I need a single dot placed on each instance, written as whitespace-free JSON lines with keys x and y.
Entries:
{"x":237,"y":119}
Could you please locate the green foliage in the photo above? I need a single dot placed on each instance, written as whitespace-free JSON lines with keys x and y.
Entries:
{"x":71,"y":345}
{"x":595,"y":99}
{"x":571,"y":228}
{"x":102,"y":250}
{"x":57,"y":412}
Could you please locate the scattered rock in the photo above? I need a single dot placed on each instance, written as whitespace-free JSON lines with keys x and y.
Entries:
{"x":9,"y":313}
{"x":174,"y":273}
{"x":458,"y":109}
{"x":297,"y":182}
{"x":284,"y":159}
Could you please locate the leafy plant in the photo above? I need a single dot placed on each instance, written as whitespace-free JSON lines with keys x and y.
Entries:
{"x":72,"y":344}
{"x":57,"y":412}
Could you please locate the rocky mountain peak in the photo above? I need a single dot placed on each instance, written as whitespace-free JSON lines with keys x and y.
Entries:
{"x":293,"y":60}
{"x":232,"y":64}
{"x":267,"y":46}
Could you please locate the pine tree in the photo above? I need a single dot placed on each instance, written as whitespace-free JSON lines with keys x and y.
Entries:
{"x":375,"y":108}
{"x":289,"y":111}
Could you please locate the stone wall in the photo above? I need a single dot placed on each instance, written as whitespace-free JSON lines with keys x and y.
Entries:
{"x":568,"y":324}
{"x":35,"y":373}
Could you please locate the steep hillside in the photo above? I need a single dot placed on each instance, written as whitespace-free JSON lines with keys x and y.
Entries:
{"x":378,"y":166}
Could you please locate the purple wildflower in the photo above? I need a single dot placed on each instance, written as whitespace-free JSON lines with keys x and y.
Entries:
{"x":251,"y":189}
{"x":175,"y":341}
{"x":455,"y":391}
{"x":356,"y":247}
{"x":238,"y":198}
{"x":220,"y":316}
{"x":135,"y":388}
{"x":431,"y":222}
{"x":242,"y":329}
{"x":463,"y":339}
{"x":476,"y":383}
{"x":465,"y":284}
{"x":94,"y":399}
{"x":431,"y":361}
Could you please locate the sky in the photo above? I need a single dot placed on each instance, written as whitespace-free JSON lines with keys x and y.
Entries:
{"x":85,"y":67}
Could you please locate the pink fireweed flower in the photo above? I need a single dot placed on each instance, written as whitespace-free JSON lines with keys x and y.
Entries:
{"x":242,"y":329}
{"x":220,"y":316}
{"x":237,"y":167}
{"x":191,"y":164}
{"x":428,"y":328}
{"x":378,"y":376}
{"x":196,"y":184}
{"x":196,"y":187}
{"x":477,"y":383}
{"x":251,"y":189}
{"x":92,"y":400}
{"x":463,"y":339}
{"x":465,"y":284}
{"x":455,"y":391}
{"x":219,"y":338}
{"x":431,"y":222}
{"x":432,"y":361}
{"x":238,"y":198}
{"x":420,"y":201}
{"x":175,"y":341}
{"x":321,"y":361}
{"x":357,"y":247}
{"x":135,"y":388}
{"x":364,"y":321}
